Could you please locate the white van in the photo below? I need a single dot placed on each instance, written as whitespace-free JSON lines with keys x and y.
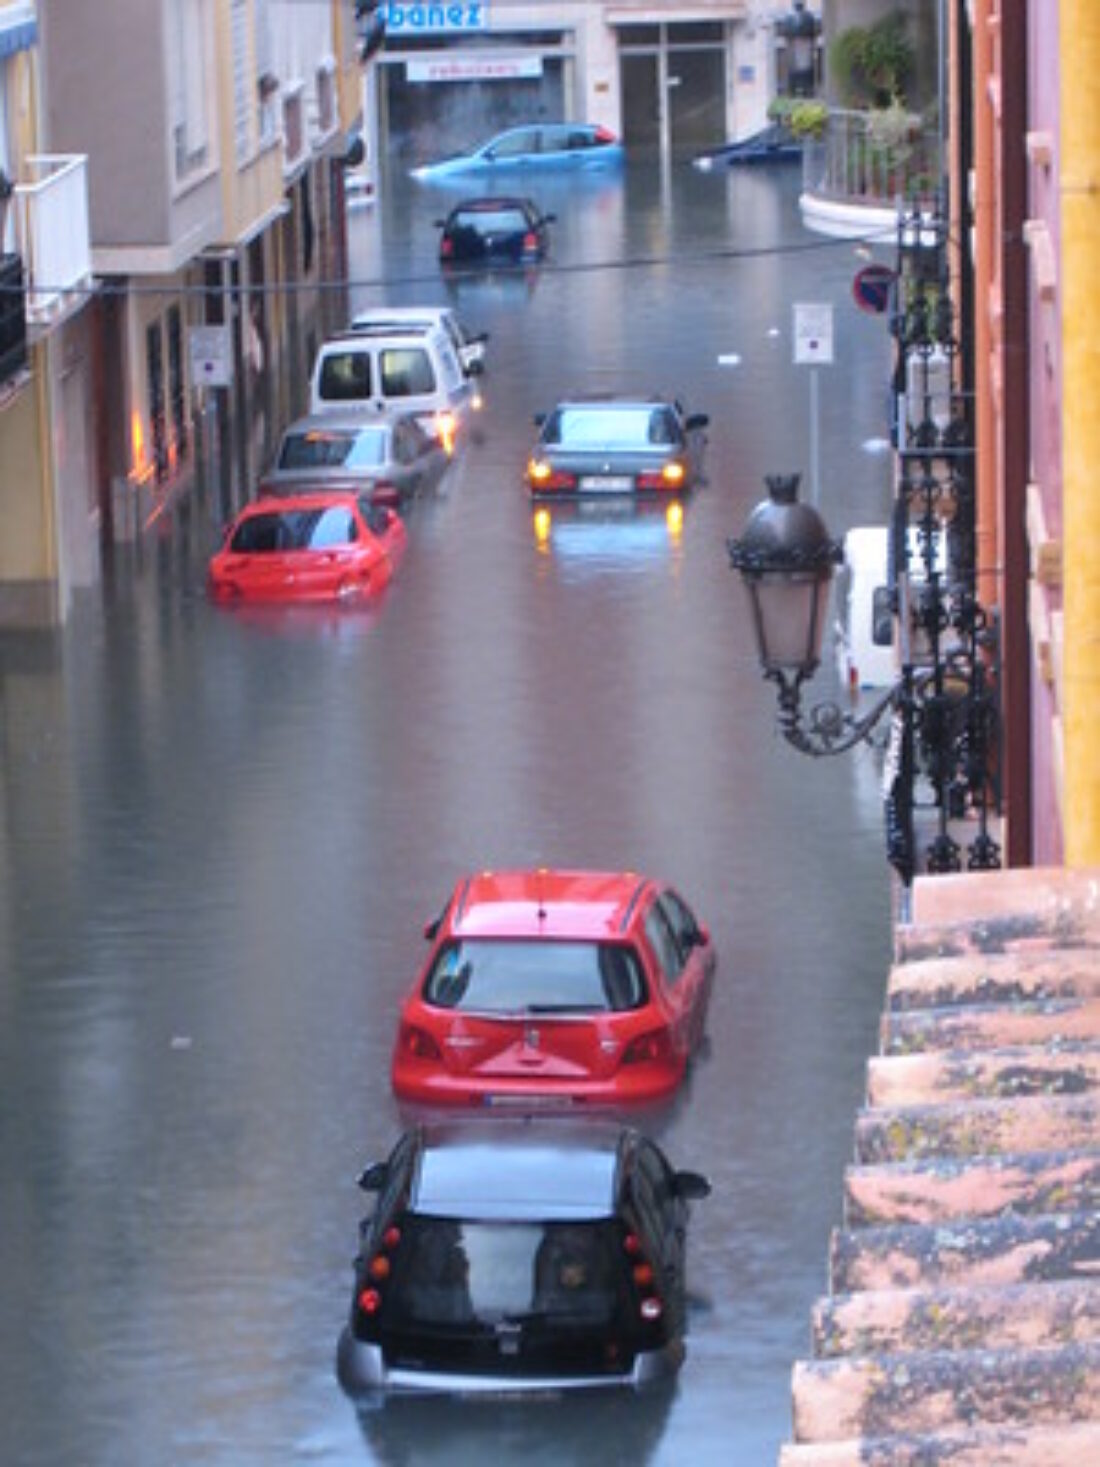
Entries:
{"x":864,"y":627}
{"x":409,"y":369}
{"x":469,"y":345}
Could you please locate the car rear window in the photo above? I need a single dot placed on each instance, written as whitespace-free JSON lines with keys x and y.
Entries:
{"x":345,"y":376}
{"x":490,"y":221}
{"x":327,"y":449}
{"x":406,"y":372}
{"x":619,"y":427}
{"x":450,"y":1272}
{"x":302,"y":529}
{"x":514,"y":975}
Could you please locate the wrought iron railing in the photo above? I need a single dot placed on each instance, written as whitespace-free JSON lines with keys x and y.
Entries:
{"x":872,"y":157}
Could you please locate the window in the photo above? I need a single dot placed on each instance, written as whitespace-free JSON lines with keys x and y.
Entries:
{"x":536,"y":977}
{"x":526,"y":140}
{"x":684,"y":927}
{"x":663,"y":942}
{"x":345,"y":376}
{"x":406,"y":372}
{"x":188,"y":70}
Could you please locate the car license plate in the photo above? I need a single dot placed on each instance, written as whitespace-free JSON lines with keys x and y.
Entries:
{"x":606,"y":483}
{"x":534,"y":1101}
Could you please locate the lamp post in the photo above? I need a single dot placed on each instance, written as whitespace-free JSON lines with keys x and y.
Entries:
{"x":800,"y":30}
{"x":942,"y":748}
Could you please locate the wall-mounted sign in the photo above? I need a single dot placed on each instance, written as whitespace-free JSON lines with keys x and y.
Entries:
{"x":453,"y":68}
{"x":813,"y":333}
{"x":422,"y":20}
{"x":211,"y":354}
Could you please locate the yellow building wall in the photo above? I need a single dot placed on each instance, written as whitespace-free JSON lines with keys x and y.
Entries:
{"x":26,"y":546}
{"x":1080,"y":209}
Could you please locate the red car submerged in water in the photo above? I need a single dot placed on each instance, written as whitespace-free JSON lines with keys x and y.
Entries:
{"x":324,"y":545}
{"x":545,"y":987}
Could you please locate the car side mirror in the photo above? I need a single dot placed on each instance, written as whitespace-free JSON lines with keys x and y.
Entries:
{"x":431,"y":928}
{"x":697,"y":421}
{"x":701,"y":936}
{"x":440,"y":223}
{"x":373,"y":1177}
{"x":475,"y":368}
{"x":691,"y":1186}
{"x":539,"y":419}
{"x":549,"y":218}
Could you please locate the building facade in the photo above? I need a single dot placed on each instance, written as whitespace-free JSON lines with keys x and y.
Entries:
{"x":669,"y":79}
{"x":206,"y":140}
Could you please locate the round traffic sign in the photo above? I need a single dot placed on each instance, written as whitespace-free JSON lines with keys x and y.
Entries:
{"x":871,"y":288}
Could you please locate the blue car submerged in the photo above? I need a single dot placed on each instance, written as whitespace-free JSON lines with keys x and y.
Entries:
{"x":566,"y":146}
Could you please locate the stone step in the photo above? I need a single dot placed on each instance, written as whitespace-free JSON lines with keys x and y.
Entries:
{"x":994,"y":978}
{"x":938,"y":1191}
{"x":1064,"y":898}
{"x":836,"y":1400}
{"x":993,"y":1026}
{"x":895,"y":1321}
{"x":1021,"y":1445}
{"x":943,"y":1075}
{"x":1004,"y":1250}
{"x":976,"y":1128}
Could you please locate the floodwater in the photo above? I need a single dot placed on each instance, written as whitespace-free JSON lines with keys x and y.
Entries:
{"x":220,"y":837}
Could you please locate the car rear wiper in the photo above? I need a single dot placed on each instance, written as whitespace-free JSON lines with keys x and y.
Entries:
{"x":564,"y":1008}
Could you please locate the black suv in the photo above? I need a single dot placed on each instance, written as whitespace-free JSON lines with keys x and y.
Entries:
{"x":509,"y":1256}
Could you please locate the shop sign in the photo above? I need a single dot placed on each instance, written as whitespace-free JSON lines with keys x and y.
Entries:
{"x":422,"y":20}
{"x":455,"y":69}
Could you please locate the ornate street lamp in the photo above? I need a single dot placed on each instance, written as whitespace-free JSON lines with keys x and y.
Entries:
{"x":800,"y":30}
{"x":786,"y":558}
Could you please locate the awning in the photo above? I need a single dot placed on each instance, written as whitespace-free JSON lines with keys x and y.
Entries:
{"x":18,"y":28}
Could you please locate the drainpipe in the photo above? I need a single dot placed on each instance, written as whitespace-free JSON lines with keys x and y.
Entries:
{"x":1079,"y":186}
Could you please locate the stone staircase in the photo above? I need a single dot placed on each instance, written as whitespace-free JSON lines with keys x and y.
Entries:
{"x":962,"y":1325}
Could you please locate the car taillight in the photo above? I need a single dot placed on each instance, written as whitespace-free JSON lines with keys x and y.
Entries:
{"x":418,"y":1043}
{"x":378,"y":1271}
{"x":669,"y":476}
{"x":644,"y":1277}
{"x":545,"y":478}
{"x":650,"y":1048}
{"x":530,"y":243}
{"x":446,"y":248}
{"x":604,"y":135}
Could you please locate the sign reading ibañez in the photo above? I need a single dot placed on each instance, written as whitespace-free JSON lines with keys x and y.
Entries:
{"x":419,"y":20}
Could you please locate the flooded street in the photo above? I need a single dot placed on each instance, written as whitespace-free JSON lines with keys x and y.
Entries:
{"x":221,"y":836}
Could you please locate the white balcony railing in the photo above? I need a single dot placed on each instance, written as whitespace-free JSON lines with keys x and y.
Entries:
{"x":54,"y":238}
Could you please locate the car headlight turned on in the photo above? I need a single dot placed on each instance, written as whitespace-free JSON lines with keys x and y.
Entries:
{"x":544,"y":478}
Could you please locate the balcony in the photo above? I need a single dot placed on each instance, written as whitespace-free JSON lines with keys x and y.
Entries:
{"x":862,"y":166}
{"x":54,"y":239}
{"x":295,"y":144}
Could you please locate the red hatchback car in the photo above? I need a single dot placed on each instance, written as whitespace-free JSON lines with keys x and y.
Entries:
{"x":555,"y":986}
{"x":316,"y":546}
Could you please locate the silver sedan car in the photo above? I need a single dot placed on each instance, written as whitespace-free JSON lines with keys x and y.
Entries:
{"x":394,"y":456}
{"x":616,"y":446}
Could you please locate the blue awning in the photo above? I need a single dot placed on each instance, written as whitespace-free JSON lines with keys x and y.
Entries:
{"x":18,"y":29}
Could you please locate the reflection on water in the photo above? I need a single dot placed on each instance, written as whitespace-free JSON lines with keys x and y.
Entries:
{"x":617,"y":535}
{"x":555,"y":1428}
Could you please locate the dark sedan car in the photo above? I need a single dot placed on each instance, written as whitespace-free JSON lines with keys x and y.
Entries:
{"x":494,"y":231}
{"x":607,"y":446}
{"x":772,"y":144}
{"x":395,"y":457}
{"x":505,"y":1257}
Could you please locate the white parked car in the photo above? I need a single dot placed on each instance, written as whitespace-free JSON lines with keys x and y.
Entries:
{"x":469,"y":344}
{"x":408,"y":369}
